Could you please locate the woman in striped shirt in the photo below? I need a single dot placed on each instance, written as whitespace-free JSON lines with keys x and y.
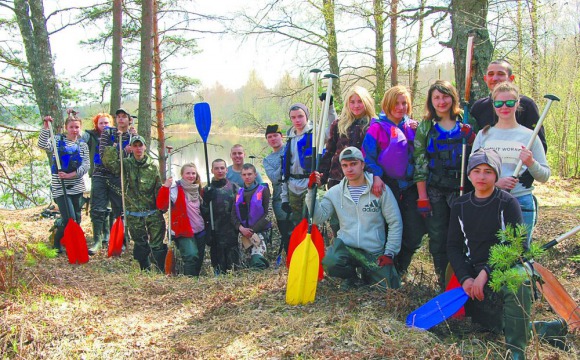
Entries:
{"x":74,"y":161}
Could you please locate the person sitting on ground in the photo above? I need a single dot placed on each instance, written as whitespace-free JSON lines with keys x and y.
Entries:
{"x":187,"y":224}
{"x":237,"y":154}
{"x":218,"y":200}
{"x":362,"y":241}
{"x":250,"y":217}
{"x":476,"y":218}
{"x":74,"y":159}
{"x":142,"y":182}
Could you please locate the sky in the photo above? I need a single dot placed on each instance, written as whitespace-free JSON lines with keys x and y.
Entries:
{"x":225,"y":60}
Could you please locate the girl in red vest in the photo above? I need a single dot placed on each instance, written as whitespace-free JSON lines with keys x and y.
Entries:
{"x":187,"y":225}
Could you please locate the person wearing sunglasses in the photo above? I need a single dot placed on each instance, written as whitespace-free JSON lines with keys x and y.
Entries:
{"x":528,"y":114}
{"x":510,"y":139}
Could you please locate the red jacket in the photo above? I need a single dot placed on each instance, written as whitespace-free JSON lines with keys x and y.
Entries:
{"x":179,"y":221}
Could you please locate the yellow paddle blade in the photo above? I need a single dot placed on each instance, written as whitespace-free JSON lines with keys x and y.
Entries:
{"x":303,"y":273}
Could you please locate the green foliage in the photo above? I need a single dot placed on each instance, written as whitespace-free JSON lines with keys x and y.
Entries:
{"x":509,"y":252}
{"x":37,"y":251}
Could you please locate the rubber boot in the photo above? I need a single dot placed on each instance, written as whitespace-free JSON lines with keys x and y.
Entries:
{"x":106,"y":227}
{"x":141,"y":254}
{"x":553,"y":332}
{"x":159,"y":258}
{"x":98,"y":220}
{"x":516,"y":320}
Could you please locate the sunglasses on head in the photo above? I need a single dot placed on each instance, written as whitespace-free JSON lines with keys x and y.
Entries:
{"x":509,"y":103}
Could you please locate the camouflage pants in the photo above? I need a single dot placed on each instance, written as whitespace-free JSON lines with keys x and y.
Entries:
{"x":342,"y":260}
{"x":298,"y":207}
{"x":148,"y":233}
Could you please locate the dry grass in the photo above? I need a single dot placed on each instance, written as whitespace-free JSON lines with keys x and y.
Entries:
{"x":107,"y":309}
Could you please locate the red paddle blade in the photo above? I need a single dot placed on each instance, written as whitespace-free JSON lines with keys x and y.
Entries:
{"x":68,"y":242}
{"x":453,"y":284}
{"x":116,"y":238}
{"x":75,"y":243}
{"x":318,"y":241}
{"x":298,"y":235}
{"x":170,"y":262}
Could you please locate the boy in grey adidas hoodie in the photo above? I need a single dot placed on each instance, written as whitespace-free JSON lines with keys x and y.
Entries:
{"x":362,"y":241}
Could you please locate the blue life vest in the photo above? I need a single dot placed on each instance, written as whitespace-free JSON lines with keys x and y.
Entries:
{"x":304,"y":146}
{"x":444,"y":150}
{"x":70,"y":156}
{"x":396,"y":158}
{"x":249,"y":214}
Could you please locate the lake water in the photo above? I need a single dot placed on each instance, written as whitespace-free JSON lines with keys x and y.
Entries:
{"x":189,"y":147}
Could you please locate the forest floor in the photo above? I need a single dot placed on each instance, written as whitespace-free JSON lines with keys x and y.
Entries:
{"x":108,"y":309}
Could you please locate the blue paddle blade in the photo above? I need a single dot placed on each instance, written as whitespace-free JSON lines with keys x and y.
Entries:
{"x":202,"y":114}
{"x":437,"y":309}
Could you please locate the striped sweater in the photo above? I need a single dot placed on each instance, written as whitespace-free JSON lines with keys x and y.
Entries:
{"x":73,"y":186}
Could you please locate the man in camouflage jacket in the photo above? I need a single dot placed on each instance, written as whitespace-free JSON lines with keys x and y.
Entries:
{"x":142,"y":183}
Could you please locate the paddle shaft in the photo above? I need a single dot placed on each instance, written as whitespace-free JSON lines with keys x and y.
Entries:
{"x":560,"y":238}
{"x":208,"y":186}
{"x":169,"y":153}
{"x":551,"y":98}
{"x":466,"y":96}
{"x":68,"y":211}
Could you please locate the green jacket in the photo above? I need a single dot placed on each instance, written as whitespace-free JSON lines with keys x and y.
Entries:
{"x":141,"y":180}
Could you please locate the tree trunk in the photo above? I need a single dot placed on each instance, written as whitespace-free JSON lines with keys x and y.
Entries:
{"x":415,"y":83}
{"x":158,"y":95}
{"x":332,"y":47}
{"x":378,"y":11}
{"x":535,"y":50}
{"x":470,"y":16}
{"x":393,"y":45}
{"x":117,"y":60}
{"x":146,"y":71}
{"x":32,"y":25}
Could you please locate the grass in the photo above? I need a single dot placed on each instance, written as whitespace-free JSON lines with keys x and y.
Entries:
{"x":109,"y":309}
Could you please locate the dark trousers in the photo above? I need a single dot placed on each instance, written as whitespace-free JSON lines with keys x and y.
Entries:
{"x":192,"y":251}
{"x":105,"y":191}
{"x":414,"y":228}
{"x":70,"y":208}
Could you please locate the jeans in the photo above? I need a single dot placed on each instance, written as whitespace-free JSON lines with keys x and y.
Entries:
{"x":528,"y":206}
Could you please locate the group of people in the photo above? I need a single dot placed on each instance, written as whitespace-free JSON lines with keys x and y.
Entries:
{"x":390,"y":180}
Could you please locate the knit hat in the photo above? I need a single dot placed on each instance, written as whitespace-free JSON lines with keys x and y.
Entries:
{"x":485,"y":156}
{"x":351,"y":153}
{"x":301,"y":107}
{"x":272,"y":129}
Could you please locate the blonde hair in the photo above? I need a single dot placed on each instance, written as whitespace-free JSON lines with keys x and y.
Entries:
{"x":502,"y":87}
{"x":347,"y":118}
{"x":192,"y":165}
{"x":506,"y":86}
{"x":390,"y":99}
